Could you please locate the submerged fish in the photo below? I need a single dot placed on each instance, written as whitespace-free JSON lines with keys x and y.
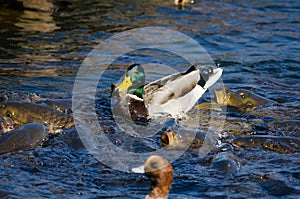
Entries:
{"x":28,"y":136}
{"x":243,"y":100}
{"x":25,"y":112}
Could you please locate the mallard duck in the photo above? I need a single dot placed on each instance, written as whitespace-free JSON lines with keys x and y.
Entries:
{"x":173,"y":95}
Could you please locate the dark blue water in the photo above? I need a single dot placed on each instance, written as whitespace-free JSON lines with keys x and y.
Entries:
{"x":256,"y":43}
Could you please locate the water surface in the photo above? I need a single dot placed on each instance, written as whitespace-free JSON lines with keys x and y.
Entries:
{"x":42,"y":46}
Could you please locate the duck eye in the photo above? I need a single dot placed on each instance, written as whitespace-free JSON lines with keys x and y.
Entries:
{"x":242,"y":95}
{"x":154,"y":165}
{"x":8,"y":114}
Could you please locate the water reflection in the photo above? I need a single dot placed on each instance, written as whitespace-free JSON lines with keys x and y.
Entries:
{"x":34,"y":15}
{"x":37,"y":21}
{"x":37,"y":16}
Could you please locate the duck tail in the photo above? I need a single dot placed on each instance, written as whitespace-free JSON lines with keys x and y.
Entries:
{"x":201,"y":82}
{"x":191,"y":69}
{"x":209,"y":77}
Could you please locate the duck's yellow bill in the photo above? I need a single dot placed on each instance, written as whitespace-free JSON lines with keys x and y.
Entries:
{"x":126,"y":83}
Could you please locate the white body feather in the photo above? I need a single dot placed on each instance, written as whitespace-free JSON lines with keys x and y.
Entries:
{"x":180,"y":95}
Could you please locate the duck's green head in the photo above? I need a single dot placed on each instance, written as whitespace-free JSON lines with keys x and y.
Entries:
{"x":134,"y":80}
